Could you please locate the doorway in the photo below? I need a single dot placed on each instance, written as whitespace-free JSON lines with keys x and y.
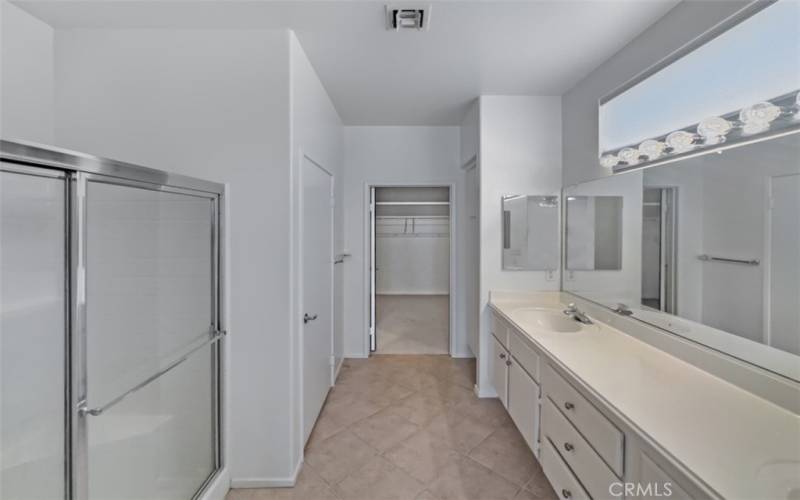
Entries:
{"x":410,"y":269}
{"x":658,"y":249}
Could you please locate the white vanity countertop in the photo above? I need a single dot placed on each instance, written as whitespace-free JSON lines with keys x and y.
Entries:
{"x":740,"y":445}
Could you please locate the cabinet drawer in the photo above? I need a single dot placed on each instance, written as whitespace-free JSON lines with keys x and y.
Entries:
{"x":604,"y":437}
{"x":525,"y":355}
{"x":561,"y":478}
{"x":587,"y":465}
{"x":500,"y":330}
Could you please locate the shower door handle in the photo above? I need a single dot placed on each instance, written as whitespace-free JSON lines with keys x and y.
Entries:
{"x":85,"y":410}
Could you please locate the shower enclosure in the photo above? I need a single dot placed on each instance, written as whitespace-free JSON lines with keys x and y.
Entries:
{"x":110,"y":329}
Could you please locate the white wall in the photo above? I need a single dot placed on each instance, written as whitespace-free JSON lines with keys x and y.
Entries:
{"x":580,"y":117}
{"x":317,"y":133}
{"x":413,"y":265}
{"x":387,"y":156}
{"x":213,"y":104}
{"x":520,"y":153}
{"x":26,"y":76}
{"x":469,"y":228}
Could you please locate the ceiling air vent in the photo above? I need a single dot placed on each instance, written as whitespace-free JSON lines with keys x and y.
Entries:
{"x":405,"y":17}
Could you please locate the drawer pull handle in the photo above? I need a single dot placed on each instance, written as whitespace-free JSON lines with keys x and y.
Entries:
{"x":569,"y":406}
{"x":568,"y":447}
{"x":566,"y":493}
{"x":502,"y":355}
{"x":508,"y":362}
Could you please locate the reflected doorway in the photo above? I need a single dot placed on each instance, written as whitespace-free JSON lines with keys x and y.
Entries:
{"x":659,"y":223}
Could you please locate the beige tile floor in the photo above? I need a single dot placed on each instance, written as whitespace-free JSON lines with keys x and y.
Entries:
{"x":410,"y":428}
{"x":413,"y":324}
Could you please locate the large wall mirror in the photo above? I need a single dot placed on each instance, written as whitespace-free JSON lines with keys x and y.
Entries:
{"x":710,"y":220}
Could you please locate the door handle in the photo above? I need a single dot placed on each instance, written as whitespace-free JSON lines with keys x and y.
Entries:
{"x":307,"y":318}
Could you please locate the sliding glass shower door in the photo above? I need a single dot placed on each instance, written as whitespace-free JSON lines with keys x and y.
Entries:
{"x":33,"y":333}
{"x":150,"y":332}
{"x":110,"y":329}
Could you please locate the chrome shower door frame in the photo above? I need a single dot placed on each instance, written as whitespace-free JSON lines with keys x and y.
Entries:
{"x":80,"y":169}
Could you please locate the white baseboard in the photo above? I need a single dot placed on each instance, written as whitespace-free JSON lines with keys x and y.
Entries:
{"x":338,"y":369}
{"x":268,"y":482}
{"x":219,"y":486}
{"x":487,"y":392}
{"x":462,"y":354}
{"x":356,"y":356}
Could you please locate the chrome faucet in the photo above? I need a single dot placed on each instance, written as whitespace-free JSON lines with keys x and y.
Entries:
{"x":622,"y":309}
{"x":573,"y":312}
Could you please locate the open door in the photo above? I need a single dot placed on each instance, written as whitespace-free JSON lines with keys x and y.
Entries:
{"x":372,"y":270}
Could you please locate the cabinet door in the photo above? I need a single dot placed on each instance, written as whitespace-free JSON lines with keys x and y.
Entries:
{"x":523,"y":403}
{"x":499,"y":371}
{"x":654,"y":482}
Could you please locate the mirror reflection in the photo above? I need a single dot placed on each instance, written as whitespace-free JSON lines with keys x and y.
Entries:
{"x":710,"y":250}
{"x":530,"y":232}
{"x":594,"y":238}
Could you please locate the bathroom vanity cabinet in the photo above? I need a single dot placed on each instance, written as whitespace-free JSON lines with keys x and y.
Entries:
{"x":586,"y":449}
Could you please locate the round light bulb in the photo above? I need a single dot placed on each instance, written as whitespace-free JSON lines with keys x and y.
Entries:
{"x":608,"y":161}
{"x":713,"y":130}
{"x":680,"y":141}
{"x":652,"y":149}
{"x":629,"y":156}
{"x":759,"y":115}
{"x":797,"y":106}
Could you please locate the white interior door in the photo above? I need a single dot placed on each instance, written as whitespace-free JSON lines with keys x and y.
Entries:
{"x":784,"y":263}
{"x":317,"y":248}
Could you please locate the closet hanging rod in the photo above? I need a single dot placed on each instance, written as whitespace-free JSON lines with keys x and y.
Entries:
{"x":412,"y":202}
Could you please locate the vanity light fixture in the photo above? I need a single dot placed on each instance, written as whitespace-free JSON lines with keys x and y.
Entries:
{"x":760,"y":121}
{"x":756,"y":118}
{"x":652,"y":149}
{"x":680,"y":141}
{"x":608,"y":161}
{"x":713,"y":130}
{"x":629,"y":156}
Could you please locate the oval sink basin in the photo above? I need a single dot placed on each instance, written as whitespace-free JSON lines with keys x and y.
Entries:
{"x":546,"y":319}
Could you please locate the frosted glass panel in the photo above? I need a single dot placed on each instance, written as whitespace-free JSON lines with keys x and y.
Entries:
{"x":158,"y":444}
{"x":32,"y":336}
{"x":149,"y":302}
{"x":148,"y":283}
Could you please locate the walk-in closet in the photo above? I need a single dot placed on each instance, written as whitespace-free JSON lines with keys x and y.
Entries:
{"x":411,"y":278}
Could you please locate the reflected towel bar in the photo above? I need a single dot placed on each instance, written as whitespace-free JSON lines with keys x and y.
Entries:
{"x":95,"y":412}
{"x":751,"y":262}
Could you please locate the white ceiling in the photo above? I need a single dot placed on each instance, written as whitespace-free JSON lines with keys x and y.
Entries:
{"x":380,"y":77}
